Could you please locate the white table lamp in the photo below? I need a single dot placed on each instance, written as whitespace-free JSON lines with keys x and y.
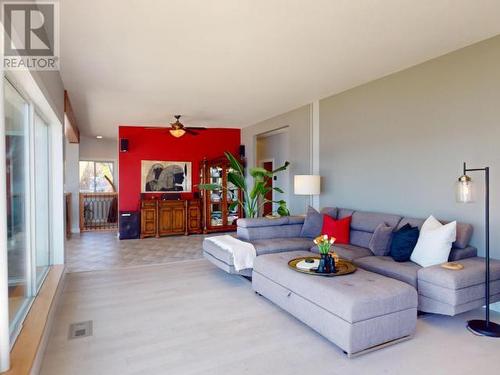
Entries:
{"x":306,"y":184}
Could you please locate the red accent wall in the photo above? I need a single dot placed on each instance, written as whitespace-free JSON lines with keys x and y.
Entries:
{"x":148,"y":144}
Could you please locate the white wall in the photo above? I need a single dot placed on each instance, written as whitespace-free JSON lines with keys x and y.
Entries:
{"x":52,"y":88}
{"x":275,"y":148}
{"x":98,"y":149}
{"x":298,"y":122}
{"x":104,"y":149}
{"x":72,"y":181}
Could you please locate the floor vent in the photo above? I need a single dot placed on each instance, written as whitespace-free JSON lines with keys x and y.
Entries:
{"x":78,"y":330}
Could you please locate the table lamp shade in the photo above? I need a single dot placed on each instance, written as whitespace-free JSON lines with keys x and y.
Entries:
{"x":307,"y":184}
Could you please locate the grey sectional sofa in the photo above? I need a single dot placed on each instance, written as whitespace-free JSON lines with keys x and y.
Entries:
{"x":439,"y":291}
{"x":373,"y":307}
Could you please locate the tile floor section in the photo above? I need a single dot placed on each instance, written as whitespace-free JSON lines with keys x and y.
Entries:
{"x":91,"y":251}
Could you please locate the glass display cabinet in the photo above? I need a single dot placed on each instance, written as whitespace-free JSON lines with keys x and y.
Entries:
{"x":218,"y":215}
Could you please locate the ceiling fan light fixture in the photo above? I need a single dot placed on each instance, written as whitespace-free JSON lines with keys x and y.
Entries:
{"x":177,"y":133}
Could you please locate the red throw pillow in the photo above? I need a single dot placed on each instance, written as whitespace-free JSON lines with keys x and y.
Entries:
{"x":340,"y":229}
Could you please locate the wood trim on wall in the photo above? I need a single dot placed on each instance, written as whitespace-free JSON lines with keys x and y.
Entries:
{"x":70,"y":126}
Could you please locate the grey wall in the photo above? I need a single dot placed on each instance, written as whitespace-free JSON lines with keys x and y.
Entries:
{"x":276,"y":147}
{"x":298,"y":122}
{"x":397,"y":144}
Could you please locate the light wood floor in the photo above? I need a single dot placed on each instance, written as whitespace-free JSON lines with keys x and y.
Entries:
{"x":191,"y":318}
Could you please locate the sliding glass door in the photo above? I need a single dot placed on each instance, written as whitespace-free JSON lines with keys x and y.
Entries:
{"x":41,"y":201}
{"x":27,"y":138}
{"x":17,"y":160}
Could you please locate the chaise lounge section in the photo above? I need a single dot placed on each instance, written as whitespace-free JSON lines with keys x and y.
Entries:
{"x":267,"y":235}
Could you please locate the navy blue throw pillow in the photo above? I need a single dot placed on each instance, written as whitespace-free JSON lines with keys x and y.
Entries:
{"x":403,"y":243}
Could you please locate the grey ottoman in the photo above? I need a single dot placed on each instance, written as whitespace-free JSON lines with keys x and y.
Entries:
{"x":451,"y":292}
{"x":357,"y":312}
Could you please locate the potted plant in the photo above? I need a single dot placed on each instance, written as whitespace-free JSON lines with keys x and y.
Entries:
{"x":255,"y":197}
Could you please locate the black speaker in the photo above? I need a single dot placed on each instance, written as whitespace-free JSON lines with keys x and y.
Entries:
{"x":242,"y":151}
{"x":129,"y":225}
{"x":123,"y":145}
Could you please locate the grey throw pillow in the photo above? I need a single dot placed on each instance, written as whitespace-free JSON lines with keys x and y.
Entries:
{"x":312,"y":224}
{"x":330,"y":211}
{"x":379,"y":243}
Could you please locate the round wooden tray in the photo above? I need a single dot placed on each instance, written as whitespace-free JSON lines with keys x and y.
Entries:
{"x":344,"y":267}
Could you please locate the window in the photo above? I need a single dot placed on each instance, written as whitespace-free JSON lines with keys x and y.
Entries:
{"x":96,"y":176}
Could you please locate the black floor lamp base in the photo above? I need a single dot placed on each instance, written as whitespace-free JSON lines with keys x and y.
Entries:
{"x":483,"y":328}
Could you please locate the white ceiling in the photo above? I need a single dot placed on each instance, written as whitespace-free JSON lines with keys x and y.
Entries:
{"x":235,"y":62}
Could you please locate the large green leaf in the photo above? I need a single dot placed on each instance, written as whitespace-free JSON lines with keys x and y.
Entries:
{"x":266,"y":189}
{"x":283,"y":211}
{"x":282,"y":168}
{"x":235,"y":164}
{"x":237,"y":180}
{"x":257,"y":189}
{"x":281,"y":202}
{"x":258,"y":172}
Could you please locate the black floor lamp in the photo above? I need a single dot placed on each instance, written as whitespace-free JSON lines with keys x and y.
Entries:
{"x":464,"y":195}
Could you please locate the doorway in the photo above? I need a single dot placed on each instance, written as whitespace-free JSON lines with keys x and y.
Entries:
{"x":272,"y":151}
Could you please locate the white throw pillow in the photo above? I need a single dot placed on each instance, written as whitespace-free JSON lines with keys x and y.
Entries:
{"x":434,"y":242}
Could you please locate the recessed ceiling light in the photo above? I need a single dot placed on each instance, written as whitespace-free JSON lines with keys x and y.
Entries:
{"x":98,"y":136}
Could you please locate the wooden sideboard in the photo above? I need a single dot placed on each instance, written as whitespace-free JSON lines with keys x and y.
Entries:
{"x":170,"y":217}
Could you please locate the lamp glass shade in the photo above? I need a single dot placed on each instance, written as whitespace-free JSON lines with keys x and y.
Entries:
{"x":307,"y":184}
{"x":464,"y":189}
{"x":177,"y":133}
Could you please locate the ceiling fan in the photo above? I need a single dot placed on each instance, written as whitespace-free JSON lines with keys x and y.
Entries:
{"x":177,"y":129}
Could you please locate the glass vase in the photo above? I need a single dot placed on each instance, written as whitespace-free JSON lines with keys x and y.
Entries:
{"x":322,"y":263}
